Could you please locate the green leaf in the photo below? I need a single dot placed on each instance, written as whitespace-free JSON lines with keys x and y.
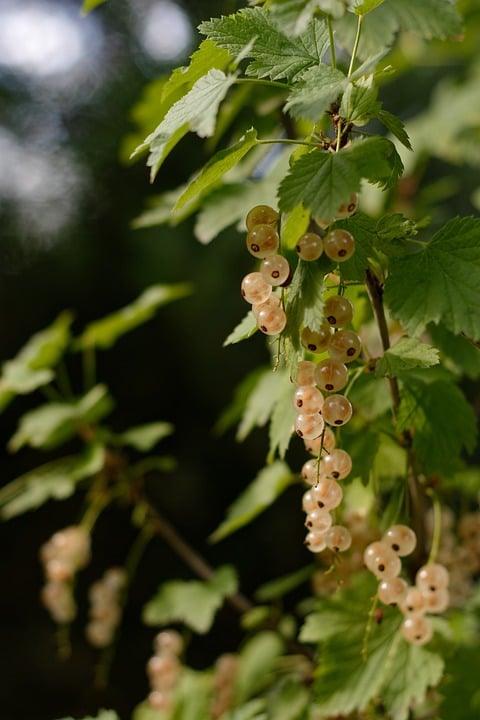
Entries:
{"x":318,"y":88}
{"x":234,"y":411}
{"x":52,"y":424}
{"x":304,"y":305}
{"x":86,"y":7}
{"x":430,"y":18}
{"x":359,"y":102}
{"x":245,"y":329}
{"x":275,"y":589}
{"x":441,"y":282}
{"x":105,"y":332}
{"x":464,"y":355}
{"x":289,"y":701}
{"x":363,"y":230}
{"x":261,"y":402}
{"x":191,"y":602}
{"x":145,"y":437}
{"x":324,"y":180}
{"x":362,"y":7}
{"x":362,"y":448}
{"x":216,"y":167}
{"x":252,"y":710}
{"x":362,"y":660}
{"x":460,"y":695}
{"x":395,"y":126}
{"x":282,"y":420}
{"x":259,"y":495}
{"x":196,"y":112}
{"x":257,"y":659}
{"x":56,"y":480}
{"x":31,"y":368}
{"x":405,"y":354}
{"x":431,"y":410}
{"x":294,"y":225}
{"x":274,"y":54}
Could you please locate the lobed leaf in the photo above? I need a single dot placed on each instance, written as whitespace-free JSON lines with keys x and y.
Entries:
{"x":191,"y":602}
{"x":395,"y":126}
{"x":273,"y":54}
{"x":257,"y":659}
{"x":405,"y":354}
{"x":440,"y":282}
{"x":56,"y":480}
{"x":359,"y":102}
{"x":216,"y":167}
{"x":105,"y":332}
{"x":313,"y":95}
{"x":53,"y":423}
{"x":259,"y":495}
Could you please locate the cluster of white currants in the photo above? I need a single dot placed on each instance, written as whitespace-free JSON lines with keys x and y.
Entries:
{"x":66,"y":552}
{"x":224,"y":674}
{"x":105,"y":598}
{"x":163,"y":669}
{"x":430,"y":593}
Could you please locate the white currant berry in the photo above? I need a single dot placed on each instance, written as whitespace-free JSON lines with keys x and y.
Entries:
{"x":381,"y":560}
{"x":319,"y":520}
{"x":338,"y":538}
{"x":337,"y":410}
{"x":271,"y":320}
{"x":436,"y":602}
{"x":325,"y":442}
{"x":339,"y":245}
{"x":255,"y":289}
{"x":344,"y":346}
{"x":305,"y":373}
{"x":316,"y":542}
{"x":311,"y":471}
{"x":327,"y":494}
{"x":432,"y":577}
{"x":309,"y":246}
{"x":309,"y":426}
{"x":336,"y":465}
{"x":391,"y":592}
{"x":417,"y":629}
{"x":309,"y":502}
{"x":160,"y":700}
{"x":261,"y":215}
{"x":316,"y":340}
{"x":275,"y":269}
{"x":347,"y":209}
{"x":401,"y":539}
{"x":168,"y":641}
{"x":413,"y":602}
{"x":338,"y":310}
{"x":274,"y":301}
{"x":262,"y":241}
{"x":308,"y":399}
{"x":331,"y":375}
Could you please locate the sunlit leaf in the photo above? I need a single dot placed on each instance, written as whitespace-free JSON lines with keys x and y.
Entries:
{"x":405,"y":354}
{"x":145,"y":437}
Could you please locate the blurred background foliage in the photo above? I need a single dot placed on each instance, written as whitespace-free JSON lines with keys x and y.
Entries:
{"x":68,"y":199}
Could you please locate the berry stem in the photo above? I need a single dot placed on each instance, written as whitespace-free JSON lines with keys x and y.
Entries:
{"x":437,"y":526}
{"x":89,"y":368}
{"x":355,"y":46}
{"x":333,"y":57}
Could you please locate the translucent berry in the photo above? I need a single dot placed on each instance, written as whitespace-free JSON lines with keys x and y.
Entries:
{"x":308,"y":399}
{"x":413,"y":602}
{"x":319,"y":520}
{"x":401,"y":539}
{"x":338,"y":538}
{"x":309,"y":426}
{"x":316,"y":542}
{"x":255,"y":289}
{"x":322,"y":223}
{"x":275,"y":269}
{"x":168,"y":641}
{"x":348,"y":208}
{"x":436,"y":602}
{"x":337,"y":410}
{"x":271,"y":320}
{"x":305,"y":374}
{"x":339,"y":245}
{"x":326,"y":442}
{"x":316,"y":340}
{"x":261,"y":215}
{"x":432,"y":577}
{"x":274,"y":301}
{"x":262,"y":241}
{"x":311,"y":471}
{"x":338,"y":311}
{"x":391,"y":592}
{"x":336,"y":465}
{"x":381,"y":560}
{"x":331,"y":375}
{"x":327,"y":494}
{"x":309,"y":502}
{"x":417,"y":629}
{"x":344,"y":346}
{"x":309,"y":246}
